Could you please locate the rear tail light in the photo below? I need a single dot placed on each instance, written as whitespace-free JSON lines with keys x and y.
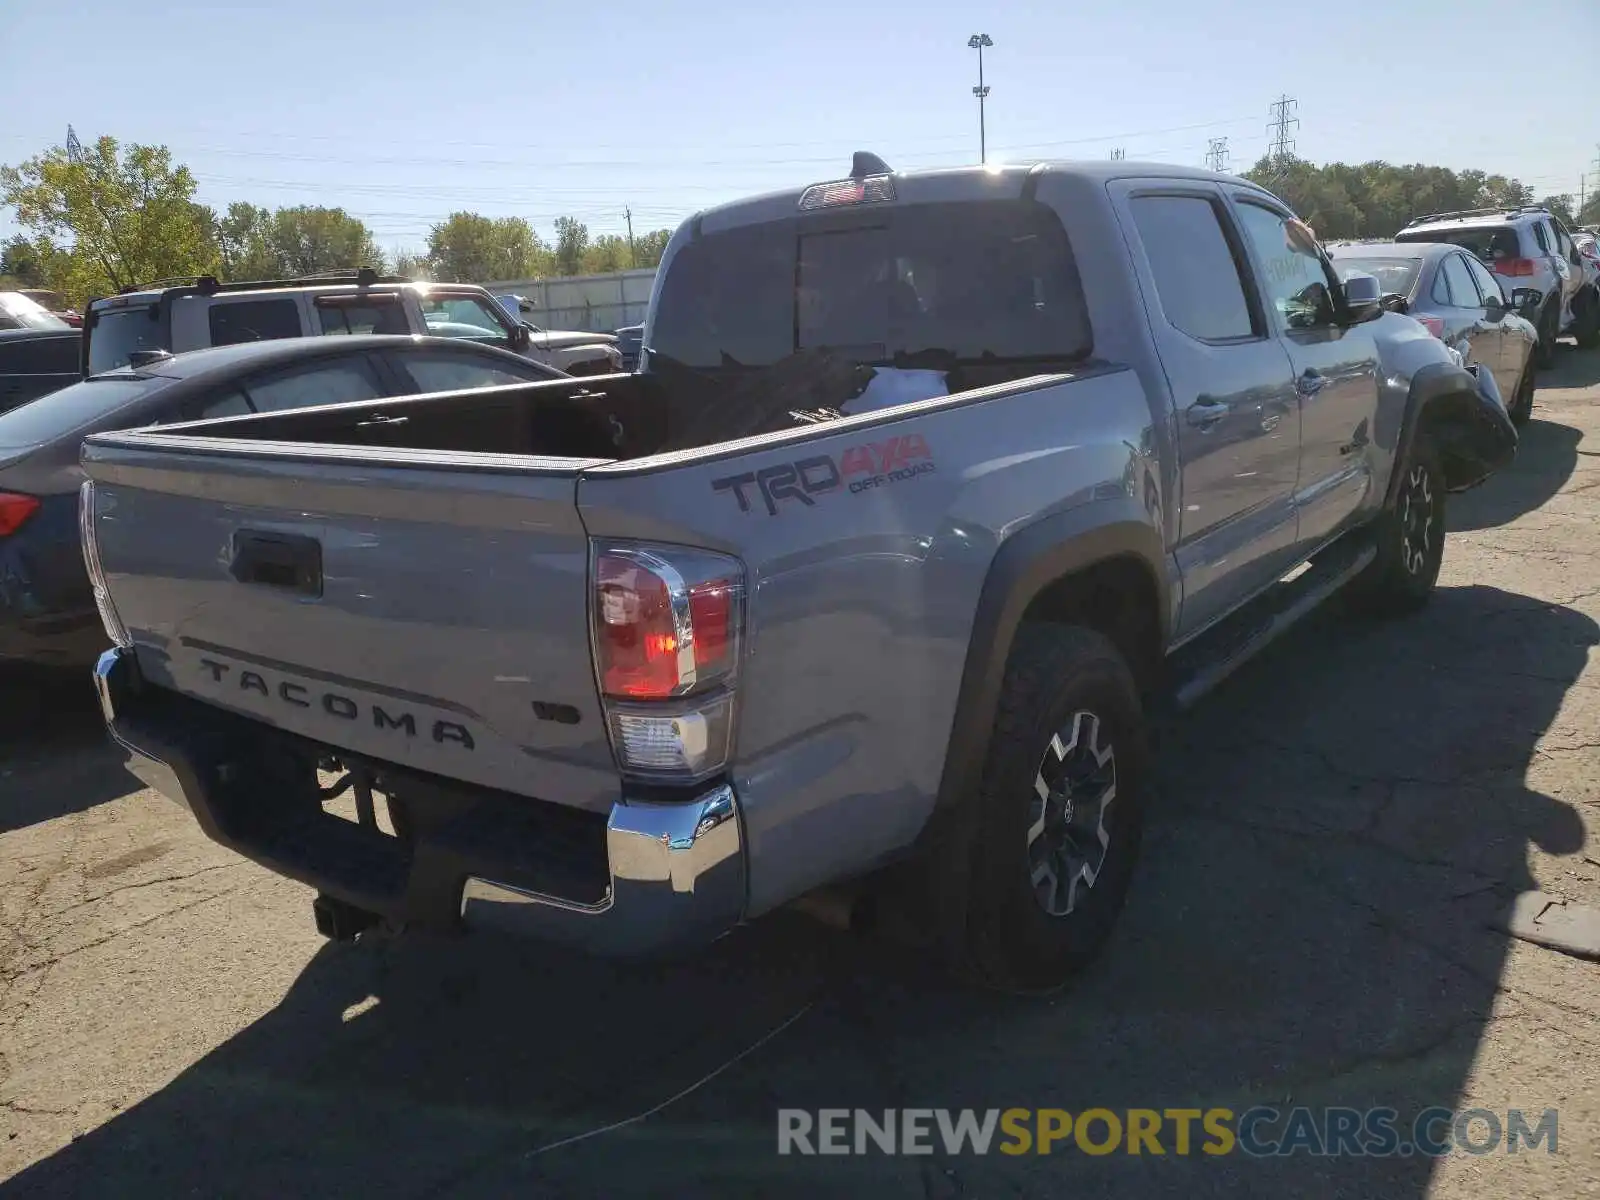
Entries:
{"x":14,"y":510}
{"x":667,"y":626}
{"x":1434,"y":325}
{"x":1514,"y":267}
{"x":115,"y":630}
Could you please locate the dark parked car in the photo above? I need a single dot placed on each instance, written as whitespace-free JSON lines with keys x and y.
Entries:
{"x":18,"y":310}
{"x":1462,"y":304}
{"x":56,"y":303}
{"x":34,"y":362}
{"x":47,"y":609}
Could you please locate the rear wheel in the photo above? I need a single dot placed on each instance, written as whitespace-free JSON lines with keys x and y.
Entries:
{"x":1586,"y":329}
{"x":1549,"y":330}
{"x":1061,"y":810}
{"x":1520,"y":409}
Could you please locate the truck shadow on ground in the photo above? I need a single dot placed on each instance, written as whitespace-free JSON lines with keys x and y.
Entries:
{"x":1547,"y":455}
{"x":55,"y":757}
{"x":1337,"y":830}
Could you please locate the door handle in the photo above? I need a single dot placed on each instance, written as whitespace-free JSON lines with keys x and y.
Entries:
{"x":1310,"y":382}
{"x":289,"y":561}
{"x":1205,"y":412}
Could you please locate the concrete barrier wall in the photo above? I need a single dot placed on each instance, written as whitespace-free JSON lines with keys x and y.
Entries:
{"x":592,"y":302}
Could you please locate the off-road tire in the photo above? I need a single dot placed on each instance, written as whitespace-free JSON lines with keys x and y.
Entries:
{"x":1055,"y":675}
{"x":1410,"y":539}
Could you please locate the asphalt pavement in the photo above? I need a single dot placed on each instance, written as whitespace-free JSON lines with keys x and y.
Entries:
{"x":1340,"y":842}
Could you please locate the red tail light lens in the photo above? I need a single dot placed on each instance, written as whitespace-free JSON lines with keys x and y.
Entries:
{"x":1514,"y":267}
{"x":664,"y":627}
{"x":14,"y":510}
{"x":1434,"y":325}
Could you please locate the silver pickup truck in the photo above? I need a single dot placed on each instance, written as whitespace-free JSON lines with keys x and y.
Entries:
{"x":931,"y":487}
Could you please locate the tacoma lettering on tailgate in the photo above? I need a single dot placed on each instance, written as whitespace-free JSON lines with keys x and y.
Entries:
{"x":334,"y":704}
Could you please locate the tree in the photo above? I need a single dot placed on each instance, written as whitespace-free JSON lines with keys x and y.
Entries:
{"x":1591,"y":210}
{"x":1377,"y":199}
{"x":122,"y":216}
{"x":572,"y":239}
{"x":606,"y":253}
{"x":467,"y":247}
{"x":1561,"y":206}
{"x":649,"y":247}
{"x":409,"y":264}
{"x":242,"y":242}
{"x":306,"y":240}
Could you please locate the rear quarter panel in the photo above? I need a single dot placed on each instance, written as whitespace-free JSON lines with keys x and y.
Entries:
{"x":862,"y":591}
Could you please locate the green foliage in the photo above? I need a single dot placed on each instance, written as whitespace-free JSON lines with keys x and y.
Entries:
{"x":1377,"y":199}
{"x":117,"y":216}
{"x":649,"y":247}
{"x":467,"y":247}
{"x":257,"y":244}
{"x":1562,"y":207}
{"x":572,"y":241}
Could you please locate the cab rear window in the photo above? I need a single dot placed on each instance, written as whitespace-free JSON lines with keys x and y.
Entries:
{"x":972,"y":280}
{"x":115,"y":333}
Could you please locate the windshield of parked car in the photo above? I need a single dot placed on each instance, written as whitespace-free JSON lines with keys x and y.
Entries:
{"x":1396,"y":276}
{"x":963,"y":281}
{"x":19,"y":312}
{"x":115,"y":333}
{"x":73,"y":408}
{"x":1490,"y":243}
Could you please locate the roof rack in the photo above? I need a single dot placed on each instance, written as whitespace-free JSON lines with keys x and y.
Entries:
{"x":209,"y":285}
{"x":1494,"y":210}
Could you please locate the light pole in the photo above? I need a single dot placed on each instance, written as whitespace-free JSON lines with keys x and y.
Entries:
{"x":978,"y":41}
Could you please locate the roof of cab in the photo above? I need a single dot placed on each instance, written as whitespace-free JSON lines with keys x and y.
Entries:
{"x":996,"y":181}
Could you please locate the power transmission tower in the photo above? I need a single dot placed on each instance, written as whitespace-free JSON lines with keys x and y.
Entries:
{"x":1217,"y":154}
{"x":74,"y":146}
{"x":1283,"y":120}
{"x":1118,"y":154}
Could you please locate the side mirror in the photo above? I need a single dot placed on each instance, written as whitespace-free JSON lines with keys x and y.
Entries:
{"x":1363,"y":298}
{"x":519,"y":338}
{"x":1526,"y":300}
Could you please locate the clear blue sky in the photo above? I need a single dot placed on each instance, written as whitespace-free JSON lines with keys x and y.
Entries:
{"x":403,"y":111}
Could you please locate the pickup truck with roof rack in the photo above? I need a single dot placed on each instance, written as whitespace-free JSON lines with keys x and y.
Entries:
{"x":931,"y":488}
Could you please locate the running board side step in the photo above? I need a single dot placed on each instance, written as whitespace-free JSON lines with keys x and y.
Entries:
{"x":1218,"y":653}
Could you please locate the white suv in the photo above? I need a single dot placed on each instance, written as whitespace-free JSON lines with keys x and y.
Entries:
{"x":1527,"y":247}
{"x":196,"y":313}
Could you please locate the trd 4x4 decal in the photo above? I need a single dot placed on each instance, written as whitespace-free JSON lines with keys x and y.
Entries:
{"x":857,"y":469}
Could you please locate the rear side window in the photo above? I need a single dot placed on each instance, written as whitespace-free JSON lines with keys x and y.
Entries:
{"x":1488,"y":286}
{"x":967,"y":280}
{"x":366,"y":316}
{"x":436,"y":371}
{"x":253,"y":321}
{"x":1541,"y":236}
{"x":326,"y":383}
{"x":1197,"y":277}
{"x":1463,"y":292}
{"x":115,"y":333}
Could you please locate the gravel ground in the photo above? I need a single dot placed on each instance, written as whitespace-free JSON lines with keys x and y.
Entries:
{"x":1341,"y":836}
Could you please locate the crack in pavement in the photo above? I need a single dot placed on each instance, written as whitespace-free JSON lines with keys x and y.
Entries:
{"x":101,"y":941}
{"x":129,"y":887}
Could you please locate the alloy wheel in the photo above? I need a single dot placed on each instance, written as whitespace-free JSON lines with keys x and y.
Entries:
{"x":1416,"y":520}
{"x":1068,"y":833}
